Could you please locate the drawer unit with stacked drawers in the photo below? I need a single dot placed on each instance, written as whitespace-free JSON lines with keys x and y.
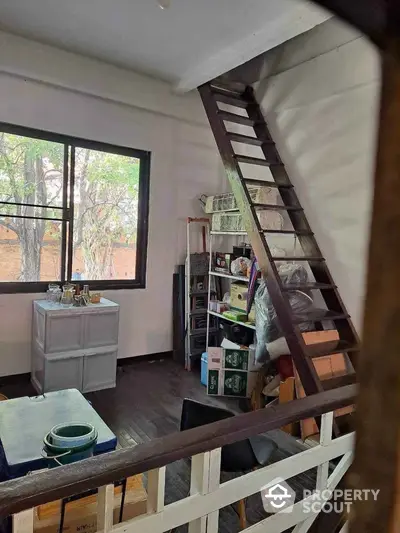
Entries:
{"x":74,"y":347}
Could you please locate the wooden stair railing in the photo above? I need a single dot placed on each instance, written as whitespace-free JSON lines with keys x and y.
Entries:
{"x":25,"y":493}
{"x":303,"y":356}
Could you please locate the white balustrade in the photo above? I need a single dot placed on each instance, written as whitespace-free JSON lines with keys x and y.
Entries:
{"x":200,"y":509}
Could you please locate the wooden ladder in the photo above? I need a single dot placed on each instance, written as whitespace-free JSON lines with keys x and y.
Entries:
{"x":303,"y":356}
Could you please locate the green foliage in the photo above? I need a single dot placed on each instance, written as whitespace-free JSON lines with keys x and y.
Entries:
{"x":16,"y":153}
{"x":112,"y":169}
{"x":106,"y":201}
{"x":106,"y":197}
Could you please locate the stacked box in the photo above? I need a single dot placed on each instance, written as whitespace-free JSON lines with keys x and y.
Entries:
{"x":231,"y":372}
{"x":81,"y":515}
{"x":239,"y":299}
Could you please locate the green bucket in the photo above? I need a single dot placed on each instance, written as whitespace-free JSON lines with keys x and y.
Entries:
{"x":59,"y":456}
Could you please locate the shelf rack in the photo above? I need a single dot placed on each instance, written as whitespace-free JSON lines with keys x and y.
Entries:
{"x":213,"y":273}
{"x":245,"y":324}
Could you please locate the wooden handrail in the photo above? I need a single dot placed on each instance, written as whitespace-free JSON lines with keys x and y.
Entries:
{"x":23,"y":493}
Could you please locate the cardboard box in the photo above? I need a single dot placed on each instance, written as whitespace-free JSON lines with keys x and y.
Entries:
{"x":81,"y":515}
{"x":327,"y":367}
{"x":223,"y":262}
{"x":231,"y":359}
{"x":239,"y":292}
{"x":237,"y":383}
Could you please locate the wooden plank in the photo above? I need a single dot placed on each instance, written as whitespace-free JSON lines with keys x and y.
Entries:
{"x":287,"y":394}
{"x":205,"y":478}
{"x":325,"y":440}
{"x":53,"y":508}
{"x":378,"y":405}
{"x":105,"y":508}
{"x":23,"y":493}
{"x":232,"y":117}
{"x":156,"y":490}
{"x":213,"y":485}
{"x":199,"y":485}
{"x":23,"y":522}
{"x":327,"y":368}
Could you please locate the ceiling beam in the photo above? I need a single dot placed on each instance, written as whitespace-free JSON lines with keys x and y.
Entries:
{"x":295,"y":21}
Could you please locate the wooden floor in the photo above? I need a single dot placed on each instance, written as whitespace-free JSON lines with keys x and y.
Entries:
{"x":147,"y":404}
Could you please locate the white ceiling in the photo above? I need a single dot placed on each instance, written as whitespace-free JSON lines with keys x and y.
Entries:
{"x":186,"y":44}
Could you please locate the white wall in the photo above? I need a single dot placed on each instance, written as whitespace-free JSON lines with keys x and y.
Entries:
{"x":184,"y":164}
{"x":321,"y":106}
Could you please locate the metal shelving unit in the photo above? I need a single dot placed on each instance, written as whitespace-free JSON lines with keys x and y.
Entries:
{"x":245,"y":324}
{"x":228,"y":276}
{"x":198,"y":290}
{"x":212,"y":273}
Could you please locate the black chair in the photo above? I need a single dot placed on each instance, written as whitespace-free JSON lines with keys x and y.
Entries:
{"x":242,"y":456}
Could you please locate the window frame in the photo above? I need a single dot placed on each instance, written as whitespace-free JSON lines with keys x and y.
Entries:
{"x":70,"y":143}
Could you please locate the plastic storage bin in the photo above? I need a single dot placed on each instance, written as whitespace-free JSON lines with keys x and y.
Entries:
{"x":74,"y":347}
{"x":204,"y":369}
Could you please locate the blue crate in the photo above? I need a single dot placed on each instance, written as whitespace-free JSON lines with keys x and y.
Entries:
{"x":204,"y":369}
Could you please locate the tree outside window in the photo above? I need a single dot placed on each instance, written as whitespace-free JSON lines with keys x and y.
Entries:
{"x":37,"y":213}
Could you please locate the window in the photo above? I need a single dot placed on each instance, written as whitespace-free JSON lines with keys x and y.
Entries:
{"x":71,"y":209}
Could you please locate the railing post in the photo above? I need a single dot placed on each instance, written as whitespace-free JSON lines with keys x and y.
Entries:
{"x":213,"y":484}
{"x":105,"y":508}
{"x":199,"y":485}
{"x":325,"y":440}
{"x":205,"y":476}
{"x":156,"y":490}
{"x":23,"y":522}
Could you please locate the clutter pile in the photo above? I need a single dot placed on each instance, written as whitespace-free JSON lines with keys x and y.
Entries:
{"x":71,"y":295}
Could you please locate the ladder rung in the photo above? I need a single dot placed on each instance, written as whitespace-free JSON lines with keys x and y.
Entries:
{"x":276,"y":207}
{"x":319,"y":315}
{"x":322,"y":349}
{"x":238,"y":119}
{"x":307,"y":286}
{"x":235,"y":101}
{"x":246,"y":139}
{"x":339,"y":381}
{"x":252,"y":160}
{"x":218,"y":89}
{"x":288,"y":232}
{"x":263,"y":183}
{"x":299,"y":258}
